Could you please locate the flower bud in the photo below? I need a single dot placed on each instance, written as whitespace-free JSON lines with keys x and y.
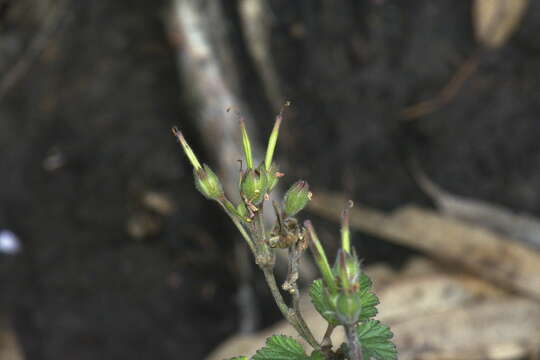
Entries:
{"x":348,"y":308}
{"x":347,"y":269}
{"x":296,"y":198}
{"x":272,"y":176}
{"x":253,"y":186}
{"x":208,"y":183}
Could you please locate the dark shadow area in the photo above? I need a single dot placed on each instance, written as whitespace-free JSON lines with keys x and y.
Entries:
{"x":84,"y":138}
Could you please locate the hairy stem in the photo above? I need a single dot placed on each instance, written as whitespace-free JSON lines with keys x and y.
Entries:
{"x":289,"y":314}
{"x":244,"y":234}
{"x":355,"y":352}
{"x":278,"y":298}
{"x":264,"y":256}
{"x":240,"y":228}
{"x":306,"y":331}
{"x":327,"y":338}
{"x":265,"y":260}
{"x":292,"y":286}
{"x":261,"y":235}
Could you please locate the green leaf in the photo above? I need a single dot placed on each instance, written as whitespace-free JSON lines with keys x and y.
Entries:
{"x":317,"y":355}
{"x":365,"y":282}
{"x":320,"y":300}
{"x":239,"y":358}
{"x":280,"y":347}
{"x":375,"y":341}
{"x":369,"y":299}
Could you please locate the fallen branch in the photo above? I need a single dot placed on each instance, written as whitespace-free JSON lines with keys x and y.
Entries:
{"x":518,"y":226}
{"x":492,"y":257}
{"x":10,"y":348}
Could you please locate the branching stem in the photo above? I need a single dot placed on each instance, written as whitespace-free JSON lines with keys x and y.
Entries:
{"x":292,"y":286}
{"x":290,"y":314}
{"x":265,"y":259}
{"x":327,"y":338}
{"x":240,"y":228}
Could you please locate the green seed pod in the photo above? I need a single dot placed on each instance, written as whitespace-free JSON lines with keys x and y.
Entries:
{"x":272,"y":141}
{"x":208,"y":183}
{"x":242,"y":211}
{"x":272,"y":176}
{"x":296,"y":198}
{"x":253,"y":186}
{"x":320,"y":258}
{"x":348,"y":308}
{"x":347,"y":269}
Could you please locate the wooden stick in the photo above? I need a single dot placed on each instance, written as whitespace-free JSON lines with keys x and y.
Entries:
{"x":493,"y":257}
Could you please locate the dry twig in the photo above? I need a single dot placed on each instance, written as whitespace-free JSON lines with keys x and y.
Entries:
{"x":493,"y":257}
{"x":37,"y":45}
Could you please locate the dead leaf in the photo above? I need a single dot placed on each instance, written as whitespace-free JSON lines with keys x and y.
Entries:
{"x":9,"y":346}
{"x":496,"y":20}
{"x":433,"y":316}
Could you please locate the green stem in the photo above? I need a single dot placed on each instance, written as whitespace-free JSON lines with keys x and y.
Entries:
{"x":240,"y":228}
{"x":244,"y":233}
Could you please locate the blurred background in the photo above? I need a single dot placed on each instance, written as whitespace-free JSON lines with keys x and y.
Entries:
{"x":107,"y":251}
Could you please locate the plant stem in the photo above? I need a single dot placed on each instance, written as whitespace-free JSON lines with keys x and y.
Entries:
{"x":278,"y":298}
{"x":265,"y":259}
{"x":289,"y":314}
{"x":256,"y":231}
{"x":306,"y":331}
{"x":244,"y":234}
{"x":266,"y":254}
{"x":327,"y":340}
{"x":263,"y":250}
{"x":355,"y":352}
{"x":260,"y":221}
{"x":292,"y":285}
{"x":240,"y":228}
